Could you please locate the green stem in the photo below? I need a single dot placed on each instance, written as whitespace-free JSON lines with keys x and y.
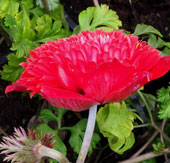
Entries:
{"x":146,"y":104}
{"x":143,"y":125}
{"x":88,"y":134}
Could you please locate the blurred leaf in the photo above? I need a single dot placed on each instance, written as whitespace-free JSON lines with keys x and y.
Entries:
{"x":156,"y":42}
{"x":12,"y":71}
{"x":52,"y":4}
{"x":10,"y":21}
{"x":121,"y":145}
{"x":22,"y":47}
{"x":99,"y":18}
{"x":142,"y":29}
{"x":47,"y":30}
{"x":47,"y":115}
{"x":28,"y":3}
{"x":164,"y":101}
{"x":60,"y":113}
{"x":22,"y":18}
{"x":8,"y":7}
{"x":77,"y":135}
{"x":59,"y":145}
{"x":158,"y":148}
{"x":116,"y":123}
{"x":165,"y":51}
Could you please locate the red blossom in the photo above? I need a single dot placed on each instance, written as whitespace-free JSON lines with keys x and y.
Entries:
{"x":90,"y":68}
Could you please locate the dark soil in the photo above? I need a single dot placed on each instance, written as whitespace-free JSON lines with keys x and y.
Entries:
{"x":17,"y":109}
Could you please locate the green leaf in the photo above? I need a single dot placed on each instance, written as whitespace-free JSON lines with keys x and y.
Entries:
{"x":77,"y":135}
{"x":59,"y":145}
{"x":165,"y":51}
{"x":47,"y":30}
{"x":156,"y":42}
{"x":12,"y":71}
{"x":8,"y":7}
{"x":99,"y":18}
{"x":164,"y":101}
{"x":47,"y":115}
{"x":60,"y":113}
{"x":52,"y":4}
{"x":121,"y":145}
{"x":142,"y":29}
{"x":158,"y":148}
{"x":22,"y":18}
{"x":10,"y":21}
{"x":28,"y":3}
{"x":163,"y":94}
{"x":116,"y":123}
{"x":22,"y":47}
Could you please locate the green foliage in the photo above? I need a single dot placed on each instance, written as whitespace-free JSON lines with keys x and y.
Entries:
{"x":116,"y":123}
{"x":142,"y":29}
{"x":28,"y":26}
{"x":52,"y":4}
{"x":77,"y":131}
{"x":154,"y":38}
{"x":164,"y":102}
{"x":98,"y":18}
{"x":8,"y":7}
{"x":59,"y":145}
{"x":158,"y":148}
{"x":12,"y":71}
{"x":77,"y":135}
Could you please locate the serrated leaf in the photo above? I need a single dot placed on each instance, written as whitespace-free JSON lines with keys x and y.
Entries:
{"x":164,"y":111}
{"x":8,"y":7}
{"x":52,"y":4}
{"x":22,"y":47}
{"x":142,"y":29}
{"x":163,"y":94}
{"x":164,"y":101}
{"x":47,"y":30}
{"x":12,"y":71}
{"x":59,"y":145}
{"x":116,"y":123}
{"x":99,"y":18}
{"x":47,"y":115}
{"x":77,"y":135}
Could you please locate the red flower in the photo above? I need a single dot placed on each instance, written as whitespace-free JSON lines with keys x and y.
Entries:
{"x":90,"y":68}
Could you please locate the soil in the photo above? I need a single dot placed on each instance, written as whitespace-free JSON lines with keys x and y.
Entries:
{"x":17,"y":109}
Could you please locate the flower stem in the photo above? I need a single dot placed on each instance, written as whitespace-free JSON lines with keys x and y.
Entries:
{"x":43,"y":151}
{"x":146,"y":104}
{"x":88,"y":134}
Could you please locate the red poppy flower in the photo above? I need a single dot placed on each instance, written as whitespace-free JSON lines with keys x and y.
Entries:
{"x":90,"y":68}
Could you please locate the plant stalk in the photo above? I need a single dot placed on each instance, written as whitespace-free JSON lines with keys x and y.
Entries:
{"x":42,"y":151}
{"x":88,"y":134}
{"x":145,"y":156}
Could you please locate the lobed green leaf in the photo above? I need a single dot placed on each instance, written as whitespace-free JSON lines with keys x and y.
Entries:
{"x":98,"y":18}
{"x":116,"y":123}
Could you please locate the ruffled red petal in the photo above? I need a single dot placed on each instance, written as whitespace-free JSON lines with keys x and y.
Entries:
{"x":90,"y":68}
{"x":67,"y":99}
